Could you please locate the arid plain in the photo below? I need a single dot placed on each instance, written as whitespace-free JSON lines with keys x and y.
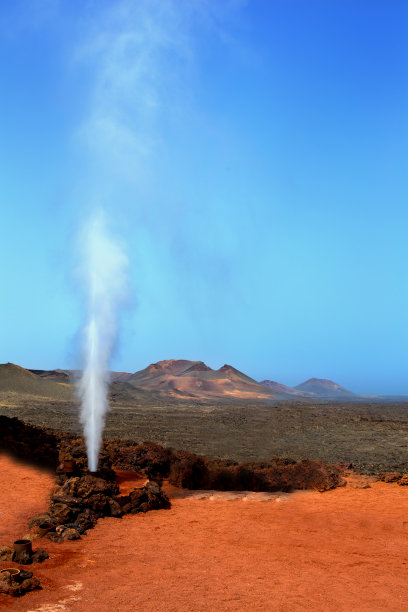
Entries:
{"x":372,"y":435}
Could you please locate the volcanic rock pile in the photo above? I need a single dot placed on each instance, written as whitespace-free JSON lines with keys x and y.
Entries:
{"x":24,"y":557}
{"x":80,"y":498}
{"x":182,"y":468}
{"x":398,"y":477}
{"x":17,"y":582}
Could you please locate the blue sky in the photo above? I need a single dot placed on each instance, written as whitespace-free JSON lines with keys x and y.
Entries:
{"x":251,"y":156}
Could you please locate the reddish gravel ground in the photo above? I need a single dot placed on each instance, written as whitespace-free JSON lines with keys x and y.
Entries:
{"x":342,"y":550}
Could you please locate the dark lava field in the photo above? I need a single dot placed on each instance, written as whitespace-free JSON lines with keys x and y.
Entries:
{"x":371,"y":436}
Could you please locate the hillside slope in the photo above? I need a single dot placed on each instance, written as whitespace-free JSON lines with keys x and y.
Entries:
{"x":15,"y":379}
{"x":194,"y":379}
{"x":322,"y":387}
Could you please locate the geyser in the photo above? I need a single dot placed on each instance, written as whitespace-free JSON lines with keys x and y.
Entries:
{"x":104,"y":280}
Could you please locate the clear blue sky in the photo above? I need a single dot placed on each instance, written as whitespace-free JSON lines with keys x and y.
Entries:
{"x":251,"y":156}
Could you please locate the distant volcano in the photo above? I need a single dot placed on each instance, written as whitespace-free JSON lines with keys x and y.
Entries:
{"x":324,"y":387}
{"x":194,"y":379}
{"x":313,"y":388}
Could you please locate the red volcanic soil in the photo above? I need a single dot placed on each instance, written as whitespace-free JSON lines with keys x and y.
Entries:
{"x":25,"y":492}
{"x":342,"y":550}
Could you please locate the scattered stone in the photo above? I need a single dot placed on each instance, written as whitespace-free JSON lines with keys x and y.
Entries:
{"x":389,"y":476}
{"x":40,"y":555}
{"x":67,"y":533}
{"x":67,"y":500}
{"x":18,"y":584}
{"x":54,"y":537}
{"x":71,"y":534}
{"x":23,"y":557}
{"x":62,"y":513}
{"x":23,"y":575}
{"x":29,"y":585}
{"x":89,"y":485}
{"x":149,"y":497}
{"x":6,"y":553}
{"x":344,"y":466}
{"x":98,"y":503}
{"x":31,"y":536}
{"x":38,"y":520}
{"x":85,"y":520}
{"x":403,"y":481}
{"x":114,"y":508}
{"x":5,"y":582}
{"x":359,"y":484}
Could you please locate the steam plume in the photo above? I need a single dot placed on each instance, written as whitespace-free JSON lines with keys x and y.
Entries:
{"x":104,"y":276}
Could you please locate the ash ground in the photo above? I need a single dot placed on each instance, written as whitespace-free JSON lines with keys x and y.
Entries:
{"x":371,"y":436}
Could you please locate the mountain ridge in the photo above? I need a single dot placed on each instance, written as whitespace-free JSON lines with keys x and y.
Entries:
{"x":179,"y":378}
{"x":324,"y":386}
{"x":194,"y":379}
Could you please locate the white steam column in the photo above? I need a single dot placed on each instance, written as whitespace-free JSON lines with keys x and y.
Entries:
{"x":105,"y":282}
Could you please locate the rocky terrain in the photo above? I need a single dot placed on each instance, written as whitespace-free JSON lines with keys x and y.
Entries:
{"x":52,"y":448}
{"x":373,"y":436}
{"x":19,"y":381}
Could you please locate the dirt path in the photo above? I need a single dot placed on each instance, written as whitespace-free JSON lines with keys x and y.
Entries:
{"x":340,"y":551}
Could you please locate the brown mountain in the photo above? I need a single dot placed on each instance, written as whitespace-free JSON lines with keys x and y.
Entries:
{"x":55,"y":375}
{"x":323,"y":387}
{"x":194,"y":379}
{"x":15,"y":379}
{"x":68,"y":375}
{"x":173,"y":378}
{"x":120,"y":376}
{"x":281,"y":389}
